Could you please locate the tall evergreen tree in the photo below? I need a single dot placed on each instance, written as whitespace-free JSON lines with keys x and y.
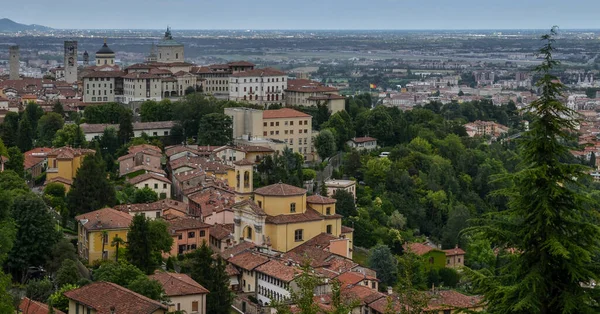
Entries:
{"x":210,"y":273}
{"x":146,"y":241}
{"x":551,"y":224}
{"x":25,"y":135}
{"x":9,"y":129}
{"x":58,"y":108}
{"x":125,"y":127}
{"x":91,"y":189}
{"x":215,"y":129}
{"x":15,"y":161}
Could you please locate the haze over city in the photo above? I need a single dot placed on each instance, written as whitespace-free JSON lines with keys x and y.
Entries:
{"x":309,"y":14}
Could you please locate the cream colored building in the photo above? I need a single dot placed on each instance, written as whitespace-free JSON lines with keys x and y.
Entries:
{"x":258,"y":86}
{"x":346,"y":185}
{"x":102,"y":86}
{"x":105,"y":56}
{"x":168,"y":50}
{"x":214,"y":79}
{"x":153,"y":181}
{"x":301,"y":92}
{"x":185,"y":294}
{"x":142,"y":87}
{"x":290,"y":126}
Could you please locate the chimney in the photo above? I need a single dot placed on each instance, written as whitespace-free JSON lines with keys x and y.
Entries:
{"x":390,"y":290}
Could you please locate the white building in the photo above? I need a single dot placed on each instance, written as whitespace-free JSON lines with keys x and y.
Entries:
{"x":142,"y":87}
{"x":160,"y":128}
{"x":102,"y":86}
{"x":365,"y":142}
{"x":258,"y":86}
{"x":346,"y":185}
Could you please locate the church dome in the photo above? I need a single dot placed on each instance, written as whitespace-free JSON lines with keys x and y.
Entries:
{"x":105,"y":50}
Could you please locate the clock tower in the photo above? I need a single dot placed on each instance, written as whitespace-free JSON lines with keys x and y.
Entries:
{"x":71,"y":61}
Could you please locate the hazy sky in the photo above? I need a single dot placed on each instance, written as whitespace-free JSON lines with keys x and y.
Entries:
{"x":306,"y":14}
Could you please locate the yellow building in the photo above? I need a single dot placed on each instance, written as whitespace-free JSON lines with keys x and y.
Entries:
{"x":63,"y":164}
{"x":290,"y":126}
{"x":97,"y":229}
{"x":282,"y":217}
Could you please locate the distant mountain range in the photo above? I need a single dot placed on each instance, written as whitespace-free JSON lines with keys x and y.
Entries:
{"x":7,"y":25}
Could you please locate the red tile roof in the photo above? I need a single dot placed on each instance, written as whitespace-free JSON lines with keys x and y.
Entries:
{"x":346,"y":229}
{"x":138,"y":75}
{"x":280,"y":189}
{"x":319,"y":199}
{"x":259,"y":72}
{"x":353,"y":278}
{"x":148,"y":176}
{"x":284,"y":113}
{"x":279,"y":270}
{"x":102,"y":296}
{"x":363,"y":139}
{"x":419,"y":248}
{"x":28,"y":306}
{"x":183,"y":223}
{"x":237,"y":249}
{"x":104,"y":74}
{"x":455,"y":251}
{"x":178,"y":284}
{"x":158,"y":205}
{"x":309,"y":215}
{"x":106,"y":218}
{"x":308,"y":86}
{"x":248,"y":260}
{"x":241,"y":63}
{"x":450,"y":299}
{"x":219,"y":232}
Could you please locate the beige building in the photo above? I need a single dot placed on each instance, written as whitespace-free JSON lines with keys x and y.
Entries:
{"x":346,"y":185}
{"x":290,"y":126}
{"x":102,"y":86}
{"x":168,"y":50}
{"x":302,"y":92}
{"x":107,"y":297}
{"x":258,"y":86}
{"x":105,"y":56}
{"x":142,"y":87}
{"x":186,"y":295}
{"x":214,"y":79}
{"x":156,"y":182}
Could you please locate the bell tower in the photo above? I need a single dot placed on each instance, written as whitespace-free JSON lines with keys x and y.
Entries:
{"x":244,"y":176}
{"x":70,"y":61}
{"x":14,"y":64}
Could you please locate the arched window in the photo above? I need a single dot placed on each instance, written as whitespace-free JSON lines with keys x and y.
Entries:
{"x":246,"y":179}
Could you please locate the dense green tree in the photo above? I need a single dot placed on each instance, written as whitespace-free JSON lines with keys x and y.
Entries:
{"x":58,"y":108}
{"x":11,"y":182}
{"x":68,"y":273}
{"x":9,"y":129}
{"x":58,"y":299}
{"x":116,"y":242}
{"x":48,"y":125}
{"x":144,"y":195}
{"x":121,"y":273}
{"x":109,"y":113}
{"x":26,"y":134}
{"x":3,"y":150}
{"x":325,"y":144}
{"x":16,"y":161}
{"x":285,"y":167}
{"x":458,"y":217}
{"x":449,"y":277}
{"x":148,"y":288}
{"x":61,"y":251}
{"x":345,"y":205}
{"x":6,"y":299}
{"x":342,"y":123}
{"x":146,"y":241}
{"x":210,"y":273}
{"x":33,"y":112}
{"x":215,"y":129}
{"x":125,"y":127}
{"x":156,"y":111}
{"x":303,"y":296}
{"x":397,"y":220}
{"x":70,"y":135}
{"x":35,"y":234}
{"x":39,"y":290}
{"x":548,"y":221}
{"x":91,"y":189}
{"x":384,"y":263}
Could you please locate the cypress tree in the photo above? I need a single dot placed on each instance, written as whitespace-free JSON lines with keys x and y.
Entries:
{"x":91,"y":189}
{"x":550,"y":223}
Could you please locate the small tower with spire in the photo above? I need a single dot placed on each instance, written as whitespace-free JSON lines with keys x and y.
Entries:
{"x":86,"y":58}
{"x":105,"y":56}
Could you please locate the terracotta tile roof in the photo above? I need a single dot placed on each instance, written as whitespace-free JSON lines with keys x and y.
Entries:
{"x":308,"y":86}
{"x":309,"y":215}
{"x":28,"y":306}
{"x":230,"y":270}
{"x":148,"y":176}
{"x":236,"y":249}
{"x":284,"y":113}
{"x":363,"y":139}
{"x":144,"y":148}
{"x":419,"y":248}
{"x":35,"y":156}
{"x":280,"y":189}
{"x":188,"y":175}
{"x":259,"y":72}
{"x":178,"y":284}
{"x":364,"y":294}
{"x":170,"y":151}
{"x":381,"y":304}
{"x":450,"y":299}
{"x":319,"y":199}
{"x":248,"y":260}
{"x":184,"y":223}
{"x":255,"y":148}
{"x":159,"y":205}
{"x":279,"y":270}
{"x":101,"y":296}
{"x":106,"y":218}
{"x":59,"y":180}
{"x":147,"y":168}
{"x":104,"y":74}
{"x":455,"y":251}
{"x":346,"y":229}
{"x":69,"y":152}
{"x":244,"y":162}
{"x":219,"y":232}
{"x":138,"y":75}
{"x":140,"y":66}
{"x":241,"y":63}
{"x":249,"y":204}
{"x":353,"y":278}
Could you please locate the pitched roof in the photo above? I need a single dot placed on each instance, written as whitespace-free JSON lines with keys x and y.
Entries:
{"x":279,"y":270}
{"x":308,"y":86}
{"x":67,"y":152}
{"x":284,"y":113}
{"x":363,"y":139}
{"x":241,"y":63}
{"x":455,"y":251}
{"x":28,"y":306}
{"x":178,"y":284}
{"x":102,"y":296}
{"x":248,"y":260}
{"x":244,"y":162}
{"x":158,"y":205}
{"x":148,"y":176}
{"x":237,"y":249}
{"x":346,"y":229}
{"x":35,"y":156}
{"x":280,"y":189}
{"x":219,"y":232}
{"x":259,"y":72}
{"x":104,"y":74}
{"x":309,"y":215}
{"x":231,"y":270}
{"x":249,"y":204}
{"x":450,"y":299}
{"x":319,"y":199}
{"x":353,"y":278}
{"x":105,"y":218}
{"x":185,"y":223}
{"x":419,"y":248}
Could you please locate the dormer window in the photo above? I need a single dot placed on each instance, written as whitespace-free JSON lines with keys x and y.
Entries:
{"x":292,"y":207}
